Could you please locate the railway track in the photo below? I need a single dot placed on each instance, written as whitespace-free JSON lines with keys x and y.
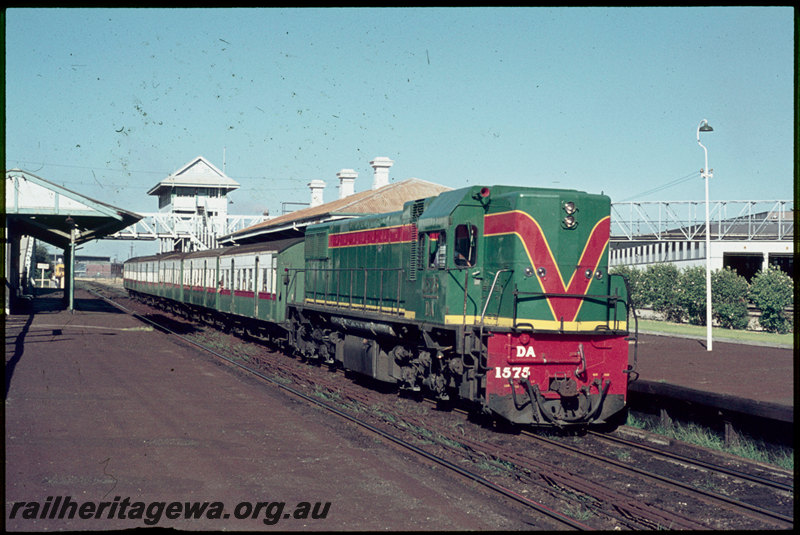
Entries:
{"x":522,"y":472}
{"x":472,"y":476}
{"x":780,"y":519}
{"x":786,"y":483}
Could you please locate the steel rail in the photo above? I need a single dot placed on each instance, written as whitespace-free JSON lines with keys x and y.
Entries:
{"x":717,"y":468}
{"x":388,"y":436}
{"x":668,"y":481}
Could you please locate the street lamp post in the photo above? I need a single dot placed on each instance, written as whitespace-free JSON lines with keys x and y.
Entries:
{"x":707,"y":173}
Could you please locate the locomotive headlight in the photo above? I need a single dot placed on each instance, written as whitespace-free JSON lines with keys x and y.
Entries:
{"x":588,"y":273}
{"x":598,"y":274}
{"x":541,"y":272}
{"x":569,"y":222}
{"x":569,"y":207}
{"x":529,"y":271}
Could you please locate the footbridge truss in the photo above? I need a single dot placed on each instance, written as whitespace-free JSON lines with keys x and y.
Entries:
{"x":686,"y":221}
{"x":176,"y":232}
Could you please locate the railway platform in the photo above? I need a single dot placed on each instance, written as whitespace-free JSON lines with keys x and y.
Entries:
{"x":101,"y":408}
{"x":742,"y":386}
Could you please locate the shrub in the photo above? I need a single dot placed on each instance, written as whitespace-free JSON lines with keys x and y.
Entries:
{"x":729,"y":299}
{"x":772,"y":291}
{"x":635,"y":290}
{"x":661,"y":291}
{"x":692,"y":296}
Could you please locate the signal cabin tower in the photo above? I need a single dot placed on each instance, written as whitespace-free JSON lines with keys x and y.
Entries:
{"x":194,"y":199}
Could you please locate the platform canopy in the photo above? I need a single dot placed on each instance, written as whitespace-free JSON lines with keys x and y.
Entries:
{"x":51,"y":213}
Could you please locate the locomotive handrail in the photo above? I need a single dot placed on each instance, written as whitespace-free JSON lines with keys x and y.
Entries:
{"x":491,"y":291}
{"x":291,"y":282}
{"x":483,"y":354}
{"x":614,"y":298}
{"x":630,"y":308}
{"x":394,"y":303}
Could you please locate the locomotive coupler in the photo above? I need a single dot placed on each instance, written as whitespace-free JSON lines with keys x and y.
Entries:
{"x":564,"y":386}
{"x":588,"y":408}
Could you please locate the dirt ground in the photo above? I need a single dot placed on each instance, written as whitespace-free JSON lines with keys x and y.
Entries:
{"x":101,"y":409}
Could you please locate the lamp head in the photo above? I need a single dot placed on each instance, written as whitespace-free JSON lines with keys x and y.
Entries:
{"x":705,"y":127}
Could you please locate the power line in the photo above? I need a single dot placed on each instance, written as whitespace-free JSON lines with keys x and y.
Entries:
{"x":130,"y":171}
{"x":664,"y":186}
{"x":43,"y":164}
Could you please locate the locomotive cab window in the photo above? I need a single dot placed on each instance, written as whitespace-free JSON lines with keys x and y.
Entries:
{"x":437,"y":250}
{"x":464,"y":246}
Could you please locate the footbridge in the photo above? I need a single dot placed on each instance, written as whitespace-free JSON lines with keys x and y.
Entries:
{"x":745,"y":235}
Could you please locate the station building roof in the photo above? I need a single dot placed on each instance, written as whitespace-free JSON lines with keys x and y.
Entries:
{"x":51,"y":213}
{"x":389,"y":198}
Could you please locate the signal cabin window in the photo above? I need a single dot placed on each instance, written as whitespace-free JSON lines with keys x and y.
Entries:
{"x":464,"y":246}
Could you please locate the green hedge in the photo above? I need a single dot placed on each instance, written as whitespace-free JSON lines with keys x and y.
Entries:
{"x":772,"y":291}
{"x":681,"y":295}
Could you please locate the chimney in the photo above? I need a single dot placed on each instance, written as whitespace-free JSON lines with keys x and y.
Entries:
{"x":316,"y":187}
{"x":347,"y":179}
{"x":381,"y":164}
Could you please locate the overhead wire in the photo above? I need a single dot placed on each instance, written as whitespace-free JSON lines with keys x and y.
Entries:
{"x":129,"y":171}
{"x":665,"y":185}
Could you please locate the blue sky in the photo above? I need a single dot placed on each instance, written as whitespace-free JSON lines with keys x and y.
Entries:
{"x":108,"y":102}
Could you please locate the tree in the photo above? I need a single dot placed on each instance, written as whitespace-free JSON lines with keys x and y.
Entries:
{"x":692,"y":297}
{"x":634,"y":277}
{"x":729,"y":293}
{"x":772,"y":291}
{"x":41,"y":255}
{"x":661,"y":290}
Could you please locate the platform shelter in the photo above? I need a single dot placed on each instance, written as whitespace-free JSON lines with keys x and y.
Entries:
{"x":53,"y":214}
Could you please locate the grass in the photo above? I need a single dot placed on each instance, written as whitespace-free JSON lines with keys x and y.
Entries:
{"x":745,"y":447}
{"x":718,"y":333}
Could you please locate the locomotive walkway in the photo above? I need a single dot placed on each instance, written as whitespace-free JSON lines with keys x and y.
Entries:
{"x":100,"y":407}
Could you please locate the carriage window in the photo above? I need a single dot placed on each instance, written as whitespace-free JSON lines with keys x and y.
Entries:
{"x":464,"y":246}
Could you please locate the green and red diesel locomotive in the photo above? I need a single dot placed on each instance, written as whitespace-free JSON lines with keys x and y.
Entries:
{"x":500,"y":296}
